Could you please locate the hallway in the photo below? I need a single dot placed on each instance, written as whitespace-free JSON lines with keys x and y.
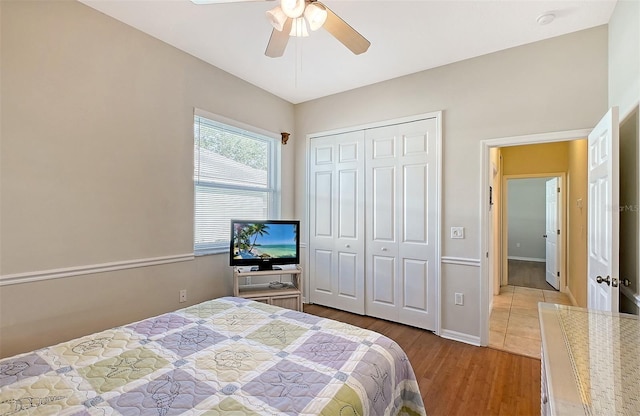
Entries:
{"x":528,"y":274}
{"x":513,"y":324}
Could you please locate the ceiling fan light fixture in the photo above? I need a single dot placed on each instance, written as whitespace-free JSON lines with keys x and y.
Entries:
{"x":316,"y":15}
{"x":292,"y":8}
{"x":299,"y":28}
{"x":277,"y":18}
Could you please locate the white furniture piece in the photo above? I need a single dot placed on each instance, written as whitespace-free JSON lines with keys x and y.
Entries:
{"x":590,"y":361}
{"x":283,"y":293}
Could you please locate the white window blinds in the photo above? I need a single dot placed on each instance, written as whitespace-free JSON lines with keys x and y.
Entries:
{"x":235,"y":176}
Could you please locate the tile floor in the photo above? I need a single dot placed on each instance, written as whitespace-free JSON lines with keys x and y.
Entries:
{"x":514,"y":325}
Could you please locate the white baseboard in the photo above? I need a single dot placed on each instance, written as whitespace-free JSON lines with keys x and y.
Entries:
{"x":16,"y":278}
{"x":535,"y":259}
{"x":459,"y":336}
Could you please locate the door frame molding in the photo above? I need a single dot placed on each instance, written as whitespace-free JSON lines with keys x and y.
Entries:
{"x":562,"y":220}
{"x":486,"y":283}
{"x":438,"y":205}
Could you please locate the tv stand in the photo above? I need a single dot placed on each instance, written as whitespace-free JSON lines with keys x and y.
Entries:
{"x":284,"y":294}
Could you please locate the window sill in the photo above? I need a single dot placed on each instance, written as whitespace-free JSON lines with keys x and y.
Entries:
{"x":210,"y":251}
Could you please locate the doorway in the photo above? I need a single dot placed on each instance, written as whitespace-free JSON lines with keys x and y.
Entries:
{"x":534,"y":245}
{"x":493,"y":269}
{"x":533,"y":242}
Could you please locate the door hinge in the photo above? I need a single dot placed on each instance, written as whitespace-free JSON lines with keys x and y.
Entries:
{"x":558,"y":274}
{"x":558,"y":189}
{"x":558,"y":232}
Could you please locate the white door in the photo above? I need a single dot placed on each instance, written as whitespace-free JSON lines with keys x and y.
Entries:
{"x":603,"y":212}
{"x":336,"y":232}
{"x":551,"y":233}
{"x":402,"y":220}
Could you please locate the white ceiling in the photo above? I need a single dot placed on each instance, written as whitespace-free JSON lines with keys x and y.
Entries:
{"x":406,"y":36}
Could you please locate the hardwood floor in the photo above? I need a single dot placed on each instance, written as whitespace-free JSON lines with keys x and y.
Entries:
{"x":528,"y":274}
{"x":457,"y":378}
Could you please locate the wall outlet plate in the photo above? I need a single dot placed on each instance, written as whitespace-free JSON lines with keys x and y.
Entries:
{"x":457,"y":232}
{"x":183,"y":295}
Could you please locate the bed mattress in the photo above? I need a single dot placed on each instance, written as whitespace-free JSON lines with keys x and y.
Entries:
{"x":228,"y":356}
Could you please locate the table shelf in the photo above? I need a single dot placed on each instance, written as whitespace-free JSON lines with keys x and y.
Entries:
{"x":287,"y":296}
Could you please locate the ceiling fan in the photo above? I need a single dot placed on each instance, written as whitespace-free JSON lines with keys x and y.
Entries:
{"x":296,"y":17}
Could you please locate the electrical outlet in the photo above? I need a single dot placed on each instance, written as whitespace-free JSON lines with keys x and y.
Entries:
{"x":459,"y":299}
{"x":183,"y":295}
{"x":457,"y":232}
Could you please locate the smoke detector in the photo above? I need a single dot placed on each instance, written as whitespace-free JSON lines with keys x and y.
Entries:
{"x":545,"y":19}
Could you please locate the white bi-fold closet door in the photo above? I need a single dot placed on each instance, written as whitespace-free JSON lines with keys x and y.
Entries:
{"x":336,"y":212}
{"x":374,"y":214}
{"x":401,"y":222}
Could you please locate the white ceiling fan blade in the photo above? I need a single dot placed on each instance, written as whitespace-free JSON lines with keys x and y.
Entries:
{"x":278,"y":40}
{"x":221,"y":1}
{"x":340,"y":30}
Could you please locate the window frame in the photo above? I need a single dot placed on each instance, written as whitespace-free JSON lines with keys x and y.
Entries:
{"x":273,"y":188}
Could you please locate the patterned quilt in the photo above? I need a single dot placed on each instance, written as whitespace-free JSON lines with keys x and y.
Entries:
{"x":228,"y":356}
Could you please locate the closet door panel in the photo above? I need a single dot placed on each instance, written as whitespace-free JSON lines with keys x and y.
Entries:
{"x":415,"y":284}
{"x":321,"y":229}
{"x":402,"y":210}
{"x":415,"y":204}
{"x":322,"y":270}
{"x":384,"y":283}
{"x":383,"y":205}
{"x":348,"y":205}
{"x":347,"y":275}
{"x":348,"y":229}
{"x":418,"y":250}
{"x":336,"y":221}
{"x":382,"y":223}
{"x":323,"y":206}
{"x":349,"y":232}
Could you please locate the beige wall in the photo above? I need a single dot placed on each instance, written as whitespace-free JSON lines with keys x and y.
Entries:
{"x":624,"y":92}
{"x":624,"y":56}
{"x":553,"y":85}
{"x":535,"y":159}
{"x":577,"y":221}
{"x":96,"y":167}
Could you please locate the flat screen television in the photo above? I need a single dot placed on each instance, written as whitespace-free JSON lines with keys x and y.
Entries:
{"x":264,"y":244}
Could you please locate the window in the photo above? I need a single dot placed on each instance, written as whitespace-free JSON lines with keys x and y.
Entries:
{"x":235,"y":176}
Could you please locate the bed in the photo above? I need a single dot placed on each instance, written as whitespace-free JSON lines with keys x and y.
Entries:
{"x":227,"y":356}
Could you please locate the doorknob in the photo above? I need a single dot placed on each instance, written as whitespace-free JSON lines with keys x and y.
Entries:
{"x":599,"y":279}
{"x":625,"y":282}
{"x":544,"y":235}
